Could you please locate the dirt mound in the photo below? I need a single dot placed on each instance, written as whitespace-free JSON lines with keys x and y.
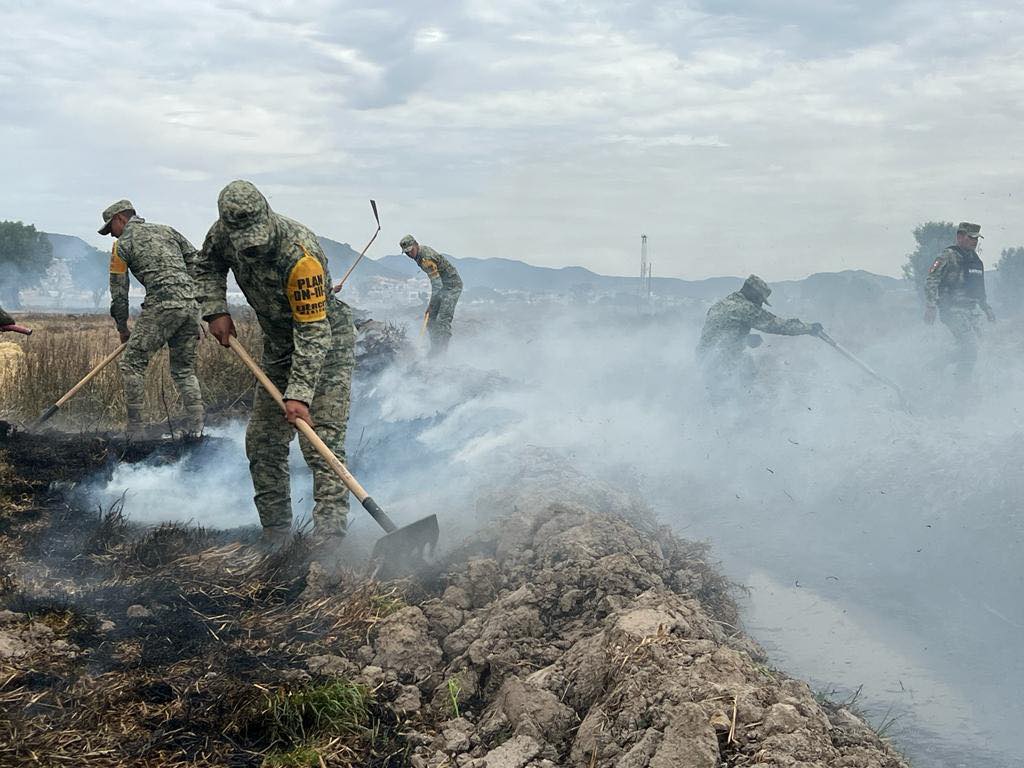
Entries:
{"x":574,"y":634}
{"x":571,"y":638}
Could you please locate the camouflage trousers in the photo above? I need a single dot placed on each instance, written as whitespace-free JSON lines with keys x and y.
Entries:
{"x":963,"y":323}
{"x":177,"y":326}
{"x":442,"y":312}
{"x":727,"y":378}
{"x":269,"y":435}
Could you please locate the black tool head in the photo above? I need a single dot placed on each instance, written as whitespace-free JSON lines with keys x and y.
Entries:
{"x":406,"y":549}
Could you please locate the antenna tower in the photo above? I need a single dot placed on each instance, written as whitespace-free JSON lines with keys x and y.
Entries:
{"x":645,"y":272}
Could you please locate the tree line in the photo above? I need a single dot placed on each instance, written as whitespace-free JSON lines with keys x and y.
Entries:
{"x":28,"y":261}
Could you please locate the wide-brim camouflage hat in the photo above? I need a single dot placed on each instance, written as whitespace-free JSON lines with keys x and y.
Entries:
{"x":755,"y":284}
{"x":111,"y":211}
{"x":969,"y":229}
{"x":245,"y":213}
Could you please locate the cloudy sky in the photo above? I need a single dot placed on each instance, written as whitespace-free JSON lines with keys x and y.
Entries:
{"x":778,"y":136}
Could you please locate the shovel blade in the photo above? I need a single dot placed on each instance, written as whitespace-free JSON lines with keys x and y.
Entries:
{"x":44,"y":417}
{"x":405,"y":549}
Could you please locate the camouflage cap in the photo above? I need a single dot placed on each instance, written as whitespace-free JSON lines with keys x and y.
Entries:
{"x":245,"y":213}
{"x":111,"y":211}
{"x":407,"y":242}
{"x":754,"y":286}
{"x":971,"y":230}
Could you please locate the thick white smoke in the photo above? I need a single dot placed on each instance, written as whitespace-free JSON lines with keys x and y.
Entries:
{"x":882,"y":547}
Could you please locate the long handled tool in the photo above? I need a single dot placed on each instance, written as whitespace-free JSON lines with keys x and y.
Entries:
{"x":865,"y":367}
{"x":373,"y":205}
{"x":401,"y":546}
{"x":15,"y":328}
{"x":49,"y":412}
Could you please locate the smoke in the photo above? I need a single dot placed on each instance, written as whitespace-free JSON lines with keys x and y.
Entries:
{"x":881,"y":547}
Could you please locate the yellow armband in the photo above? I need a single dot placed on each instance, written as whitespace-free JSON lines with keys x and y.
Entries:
{"x":430,"y":267}
{"x":307,"y":290}
{"x":117,"y":264}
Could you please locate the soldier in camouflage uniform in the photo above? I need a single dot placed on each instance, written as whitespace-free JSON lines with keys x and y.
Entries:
{"x":445,"y":288}
{"x":160,"y":258}
{"x":955,"y":287}
{"x":308,"y":347}
{"x":726,"y":333}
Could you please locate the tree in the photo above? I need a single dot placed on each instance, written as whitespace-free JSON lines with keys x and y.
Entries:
{"x":932,"y":237}
{"x":25,"y":255}
{"x":89,"y":267}
{"x":1010,"y":279}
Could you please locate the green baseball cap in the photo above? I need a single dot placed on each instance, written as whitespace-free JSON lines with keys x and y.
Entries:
{"x":971,"y":230}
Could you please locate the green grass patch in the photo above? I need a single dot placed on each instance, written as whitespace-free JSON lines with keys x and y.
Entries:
{"x":336,"y":708}
{"x":387,"y":603}
{"x":300,"y":757}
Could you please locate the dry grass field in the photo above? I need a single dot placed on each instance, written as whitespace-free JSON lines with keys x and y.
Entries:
{"x":36,"y":370}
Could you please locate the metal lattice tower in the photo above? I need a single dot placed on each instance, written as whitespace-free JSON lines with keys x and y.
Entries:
{"x":645,"y":273}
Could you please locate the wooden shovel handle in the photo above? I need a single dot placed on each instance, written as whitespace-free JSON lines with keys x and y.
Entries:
{"x":310,"y":434}
{"x":91,"y":374}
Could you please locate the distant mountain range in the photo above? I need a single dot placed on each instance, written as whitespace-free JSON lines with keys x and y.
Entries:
{"x":510,"y":275}
{"x":89,"y":265}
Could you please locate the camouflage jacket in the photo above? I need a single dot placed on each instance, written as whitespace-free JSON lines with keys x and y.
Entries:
{"x":442,"y":273}
{"x":956,"y":278}
{"x":160,"y":258}
{"x":5,"y":319}
{"x":290,"y":290}
{"x":730,"y":320}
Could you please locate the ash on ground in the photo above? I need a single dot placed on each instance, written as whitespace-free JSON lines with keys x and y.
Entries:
{"x":574,"y":633}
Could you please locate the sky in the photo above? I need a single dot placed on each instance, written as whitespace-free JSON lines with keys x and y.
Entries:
{"x":784,"y":137}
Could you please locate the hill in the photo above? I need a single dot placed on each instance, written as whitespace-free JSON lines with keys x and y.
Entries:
{"x":88,"y":270}
{"x":511,"y":275}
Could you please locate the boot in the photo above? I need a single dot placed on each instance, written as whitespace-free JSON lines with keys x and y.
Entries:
{"x":274,"y":538}
{"x":192,"y":427}
{"x":135,"y":428}
{"x":325,"y":546}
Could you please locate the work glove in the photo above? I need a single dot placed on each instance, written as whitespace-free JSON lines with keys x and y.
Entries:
{"x":753,"y":340}
{"x":124,"y":333}
{"x":989,"y":313}
{"x":929,"y":315}
{"x":816,"y":329}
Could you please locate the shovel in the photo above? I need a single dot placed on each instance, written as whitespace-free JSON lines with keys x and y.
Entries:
{"x":49,"y":412}
{"x":401,"y":547}
{"x":865,"y":367}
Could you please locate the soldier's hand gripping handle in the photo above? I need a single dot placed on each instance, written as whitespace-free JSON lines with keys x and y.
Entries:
{"x":296,"y":409}
{"x":223,"y":328}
